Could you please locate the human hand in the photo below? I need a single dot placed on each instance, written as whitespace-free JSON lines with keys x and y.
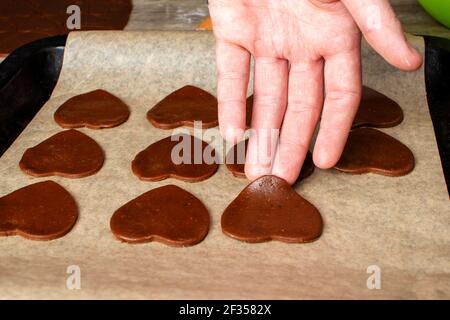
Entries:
{"x":307,"y":66}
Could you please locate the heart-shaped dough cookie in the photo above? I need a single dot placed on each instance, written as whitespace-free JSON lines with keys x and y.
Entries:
{"x":183,"y":107}
{"x":377,"y":110}
{"x":167,"y":214}
{"x":41,"y":211}
{"x":269,"y":209}
{"x":235,"y":162}
{"x":370,"y":150}
{"x":95,"y":110}
{"x":165,"y":159}
{"x":69,"y":153}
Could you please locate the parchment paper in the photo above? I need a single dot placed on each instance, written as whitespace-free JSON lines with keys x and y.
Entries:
{"x":399,"y":224}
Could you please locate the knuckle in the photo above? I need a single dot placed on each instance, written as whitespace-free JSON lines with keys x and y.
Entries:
{"x":267,"y":101}
{"x":302,"y":106}
{"x":231,"y":103}
{"x":343,"y":97}
{"x":231,"y":75}
{"x":289,"y":145}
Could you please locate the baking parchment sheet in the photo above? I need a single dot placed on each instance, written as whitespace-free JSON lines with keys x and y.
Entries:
{"x":399,"y":224}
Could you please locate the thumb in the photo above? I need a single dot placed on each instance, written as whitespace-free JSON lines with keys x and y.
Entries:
{"x":377,"y":21}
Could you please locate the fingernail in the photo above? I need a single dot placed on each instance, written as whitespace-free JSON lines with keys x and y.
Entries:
{"x":254,"y":172}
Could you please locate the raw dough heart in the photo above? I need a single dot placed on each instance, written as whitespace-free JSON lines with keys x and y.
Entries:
{"x":155,"y":163}
{"x":236,"y":164}
{"x":70,"y":154}
{"x":377,"y":110}
{"x":41,"y":211}
{"x":167,"y":214}
{"x":370,"y":150}
{"x":183,"y":107}
{"x":269,"y":209}
{"x":95,"y":110}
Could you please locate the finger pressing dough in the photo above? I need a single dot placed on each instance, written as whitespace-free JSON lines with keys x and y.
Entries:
{"x":183,"y":107}
{"x":95,"y":110}
{"x":69,"y":153}
{"x":377,"y":110}
{"x":163,"y":159}
{"x":41,"y":211}
{"x":269,"y":209}
{"x":167,"y":214}
{"x":370,"y":150}
{"x":235,"y":161}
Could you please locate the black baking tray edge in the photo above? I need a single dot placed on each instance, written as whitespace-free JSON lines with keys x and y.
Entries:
{"x":27,"y":78}
{"x":29,"y":75}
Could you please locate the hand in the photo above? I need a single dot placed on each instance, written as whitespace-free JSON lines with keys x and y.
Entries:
{"x":307,"y":66}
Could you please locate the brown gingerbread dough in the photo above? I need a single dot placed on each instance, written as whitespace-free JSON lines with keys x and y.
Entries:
{"x":307,"y":168}
{"x":95,"y":110}
{"x":370,"y":150}
{"x":168,"y":214}
{"x":249,"y":112}
{"x":155,"y":162}
{"x":183,"y":107}
{"x":235,"y":162}
{"x":69,"y":153}
{"x":376,"y":110}
{"x":269,"y":209}
{"x":41,"y":211}
{"x":235,"y":159}
{"x":24,"y":21}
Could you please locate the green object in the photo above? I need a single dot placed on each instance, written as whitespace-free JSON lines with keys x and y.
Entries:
{"x":438,"y":9}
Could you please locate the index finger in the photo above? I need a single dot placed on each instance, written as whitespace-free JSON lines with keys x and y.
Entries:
{"x":233,"y":70}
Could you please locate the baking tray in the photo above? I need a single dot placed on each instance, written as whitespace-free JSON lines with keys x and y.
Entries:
{"x":437,"y":77}
{"x":29,"y":74}
{"x":27,"y":78}
{"x":400,"y":225}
